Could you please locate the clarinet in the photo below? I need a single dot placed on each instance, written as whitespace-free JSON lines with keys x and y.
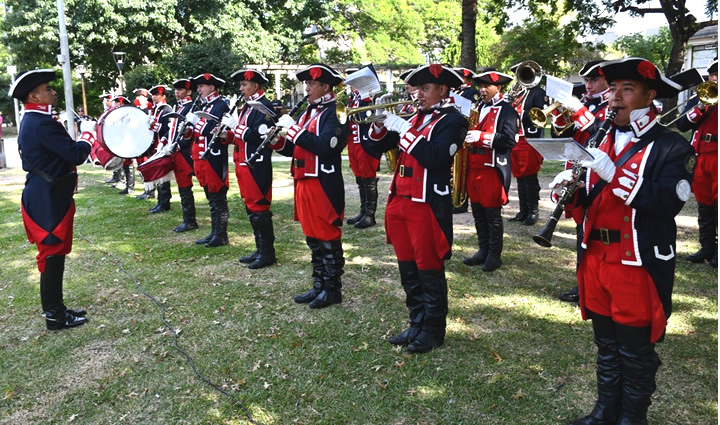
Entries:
{"x":217,"y":130}
{"x":180,"y":127}
{"x":271,"y":134}
{"x":566,"y":193}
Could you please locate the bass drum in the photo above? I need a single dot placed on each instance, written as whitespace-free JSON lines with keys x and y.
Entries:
{"x":125,"y":132}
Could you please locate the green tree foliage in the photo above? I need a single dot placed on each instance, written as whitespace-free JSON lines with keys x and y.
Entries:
{"x":655,"y":48}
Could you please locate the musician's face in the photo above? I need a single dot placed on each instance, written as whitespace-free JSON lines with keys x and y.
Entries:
{"x":315,"y":90}
{"x":713,"y":77}
{"x":205,"y":90}
{"x":248,"y":88}
{"x":430,"y":94}
{"x":488,"y":91}
{"x":182,"y":93}
{"x":158,"y":98}
{"x":410,"y":89}
{"x":627,"y":96}
{"x":43,"y":95}
{"x":595,"y":85}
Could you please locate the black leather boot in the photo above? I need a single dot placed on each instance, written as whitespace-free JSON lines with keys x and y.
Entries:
{"x":371,"y":197}
{"x":714,"y":260}
{"x":213,"y":218}
{"x":609,"y":375}
{"x":532,"y":198}
{"x":361,"y":190}
{"x":247,"y":259}
{"x":333,"y":260}
{"x":129,"y":173}
{"x":414,"y":300}
{"x":187,"y":202}
{"x":163,"y":198}
{"x":640,"y":364}
{"x":522,"y":201}
{"x":570,"y":296}
{"x":432,"y":335}
{"x":149,"y":193}
{"x":115,"y":178}
{"x":318,"y":267}
{"x":266,"y":236}
{"x":57,"y":316}
{"x":707,"y":221}
{"x":495,"y":239}
{"x":481,"y":228}
{"x":222,"y":215}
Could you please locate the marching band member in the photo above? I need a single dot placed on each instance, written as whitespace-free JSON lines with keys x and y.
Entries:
{"x":364,"y":163}
{"x":467,"y":90}
{"x":703,"y":120}
{"x":127,"y":170}
{"x":488,"y":180}
{"x":586,"y":119}
{"x":315,"y":143}
{"x":634,"y":187}
{"x":211,"y":172}
{"x":105,"y":98}
{"x":524,"y":159}
{"x":182,"y":157}
{"x":418,"y":217}
{"x":160,"y":126}
{"x":247,"y":132}
{"x":142,"y":101}
{"x":49,"y":155}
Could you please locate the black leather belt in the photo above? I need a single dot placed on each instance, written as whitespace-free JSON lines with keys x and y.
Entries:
{"x":480,"y":151}
{"x":299,"y":163}
{"x":605,"y":236}
{"x":709,"y":138}
{"x":405,"y":171}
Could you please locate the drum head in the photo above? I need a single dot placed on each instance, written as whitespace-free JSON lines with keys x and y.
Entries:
{"x":125,"y":132}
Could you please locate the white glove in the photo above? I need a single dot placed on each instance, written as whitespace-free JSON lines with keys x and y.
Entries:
{"x":602,"y":164}
{"x":192,"y":118}
{"x":386,"y":98}
{"x":569,"y":101}
{"x":395,"y":123}
{"x":87,"y":126}
{"x":557,"y":184}
{"x":472,"y":136}
{"x":286,"y":121}
{"x":229,"y":121}
{"x":166,"y":149}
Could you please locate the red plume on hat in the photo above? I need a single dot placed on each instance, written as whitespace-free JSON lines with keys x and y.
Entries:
{"x":494,"y":76}
{"x":436,"y":69}
{"x":249,"y":75}
{"x":187,"y":85}
{"x":161,"y":90}
{"x":646,"y":69}
{"x":315,"y":73}
{"x":466,"y":72}
{"x":206,"y":76}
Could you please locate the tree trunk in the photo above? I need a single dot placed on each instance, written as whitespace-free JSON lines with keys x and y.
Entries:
{"x":468,"y":54}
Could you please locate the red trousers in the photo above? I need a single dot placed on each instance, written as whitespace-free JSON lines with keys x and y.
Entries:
{"x":705,"y":180}
{"x":250,"y":191}
{"x":36,"y":234}
{"x":315,"y":212}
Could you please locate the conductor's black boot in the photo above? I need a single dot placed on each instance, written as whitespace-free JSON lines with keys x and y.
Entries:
{"x":317,"y":274}
{"x":414,"y":300}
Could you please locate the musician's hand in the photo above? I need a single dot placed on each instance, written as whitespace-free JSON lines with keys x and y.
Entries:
{"x":561,"y":180}
{"x":229,"y":121}
{"x":472,"y":136}
{"x":155,"y":126}
{"x":286,"y":121}
{"x":239,"y":131}
{"x":395,"y":123}
{"x":192,"y":118}
{"x":187,"y":132}
{"x":386,"y":98}
{"x":569,"y":101}
{"x":602,"y":164}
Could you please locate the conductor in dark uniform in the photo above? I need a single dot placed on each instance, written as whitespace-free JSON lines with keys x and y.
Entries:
{"x":634,"y":187}
{"x":315,"y":143}
{"x":247,"y":132}
{"x":418,"y":217}
{"x":49,"y":155}
{"x":212,"y":171}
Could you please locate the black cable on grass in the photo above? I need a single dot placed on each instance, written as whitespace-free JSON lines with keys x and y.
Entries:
{"x":167,"y":325}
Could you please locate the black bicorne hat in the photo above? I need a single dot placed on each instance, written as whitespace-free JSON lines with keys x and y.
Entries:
{"x":250,"y":75}
{"x":208,"y":78}
{"x":435,"y":73}
{"x":26,"y":82}
{"x":320,"y":72}
{"x":639,"y":69}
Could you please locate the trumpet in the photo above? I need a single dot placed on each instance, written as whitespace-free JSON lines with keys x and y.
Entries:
{"x":707,"y":93}
{"x":539,"y":117}
{"x":354,"y":114}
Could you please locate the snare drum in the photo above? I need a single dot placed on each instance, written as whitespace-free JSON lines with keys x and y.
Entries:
{"x":125,"y":131}
{"x":159,"y":168}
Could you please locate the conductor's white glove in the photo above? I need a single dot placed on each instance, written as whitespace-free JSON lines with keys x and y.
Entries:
{"x":569,"y":101}
{"x":472,"y":136}
{"x":192,"y":118}
{"x":602,"y":164}
{"x":395,"y":123}
{"x":229,"y":121}
{"x":386,"y":98}
{"x":286,"y":121}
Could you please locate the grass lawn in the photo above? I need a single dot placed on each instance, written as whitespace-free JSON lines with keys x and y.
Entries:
{"x":514,"y":354}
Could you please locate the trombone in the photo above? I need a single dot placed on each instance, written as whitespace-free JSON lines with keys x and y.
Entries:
{"x":527,"y":75}
{"x":707,"y":93}
{"x":356,"y":114}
